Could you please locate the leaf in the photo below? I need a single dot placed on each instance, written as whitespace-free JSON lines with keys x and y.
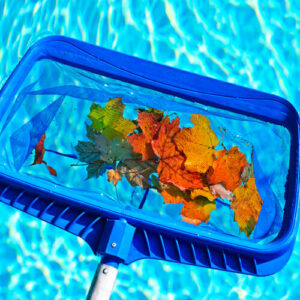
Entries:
{"x":109,"y":120}
{"x":247,"y":173}
{"x":171,"y":166}
{"x":246,"y":204}
{"x":197,"y":143}
{"x":39,"y":155}
{"x":114,"y":150}
{"x":52,"y":171}
{"x":157,"y":114}
{"x":141,"y":143}
{"x":39,"y":151}
{"x":204,"y":192}
{"x":137,"y":172}
{"x":227,"y":168}
{"x":96,"y":169}
{"x":198,"y":210}
{"x":219,"y":190}
{"x":114,"y":176}
{"x":88,"y":152}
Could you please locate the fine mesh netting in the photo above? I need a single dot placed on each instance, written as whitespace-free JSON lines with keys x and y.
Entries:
{"x":108,"y":141}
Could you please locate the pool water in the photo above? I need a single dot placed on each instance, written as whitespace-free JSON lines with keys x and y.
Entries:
{"x":42,"y":261}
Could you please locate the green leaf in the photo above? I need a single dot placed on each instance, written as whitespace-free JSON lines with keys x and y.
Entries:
{"x":109,"y":120}
{"x":114,"y":150}
{"x":96,"y":169}
{"x":87,"y":151}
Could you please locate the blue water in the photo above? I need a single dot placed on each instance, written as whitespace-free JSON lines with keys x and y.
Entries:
{"x":251,"y":44}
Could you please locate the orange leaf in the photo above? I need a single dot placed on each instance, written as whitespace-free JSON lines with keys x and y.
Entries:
{"x":197,"y":143}
{"x":114,"y":176}
{"x":141,"y":143}
{"x":246,"y":204}
{"x":171,"y":166}
{"x":227,"y":168}
{"x":198,"y":210}
{"x":52,"y":171}
{"x":172,"y":194}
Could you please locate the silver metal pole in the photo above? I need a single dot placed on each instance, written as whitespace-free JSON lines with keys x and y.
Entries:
{"x":103,"y":282}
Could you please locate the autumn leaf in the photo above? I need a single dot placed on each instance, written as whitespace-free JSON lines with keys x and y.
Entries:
{"x":246,"y":204}
{"x":141,"y":143}
{"x":137,"y":172}
{"x":197,"y":143}
{"x":204,"y":192}
{"x":114,"y":176}
{"x":171,"y":166}
{"x":109,"y":120}
{"x":39,"y":151}
{"x":39,"y":155}
{"x":157,"y":114}
{"x":219,"y":190}
{"x":227,"y":168}
{"x":198,"y":210}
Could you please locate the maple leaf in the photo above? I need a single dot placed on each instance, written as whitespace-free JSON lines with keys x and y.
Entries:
{"x":227,"y":168}
{"x":112,"y":151}
{"x":114,"y":176}
{"x":141,"y":143}
{"x":109,"y":120}
{"x":157,"y":114}
{"x":170,"y":193}
{"x":246,"y":204}
{"x":171,"y":166}
{"x":204,"y":192}
{"x":197,"y":143}
{"x":137,"y":172}
{"x":39,"y":155}
{"x":198,"y":210}
{"x":219,"y":190}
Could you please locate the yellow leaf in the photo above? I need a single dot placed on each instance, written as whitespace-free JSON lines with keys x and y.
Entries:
{"x":109,"y":120}
{"x":114,"y":176}
{"x":246,"y":204}
{"x":204,"y":192}
{"x":197,"y":143}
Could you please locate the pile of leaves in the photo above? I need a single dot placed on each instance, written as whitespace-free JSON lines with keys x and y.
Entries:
{"x":183,"y":165}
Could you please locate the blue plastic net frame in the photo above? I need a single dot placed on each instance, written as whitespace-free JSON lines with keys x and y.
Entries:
{"x":191,"y":87}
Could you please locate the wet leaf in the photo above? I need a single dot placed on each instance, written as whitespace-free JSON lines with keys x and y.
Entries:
{"x":204,"y":192}
{"x":248,"y":172}
{"x":198,"y":210}
{"x":96,"y":169}
{"x":88,"y":152}
{"x":141,"y":143}
{"x":39,"y":155}
{"x":197,"y":143}
{"x":171,"y":166}
{"x":157,"y":114}
{"x":219,"y":190}
{"x":227,"y":168}
{"x":137,"y":172}
{"x":109,"y":120}
{"x":112,"y":151}
{"x":39,"y":151}
{"x":246,"y":204}
{"x":113,"y":176}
